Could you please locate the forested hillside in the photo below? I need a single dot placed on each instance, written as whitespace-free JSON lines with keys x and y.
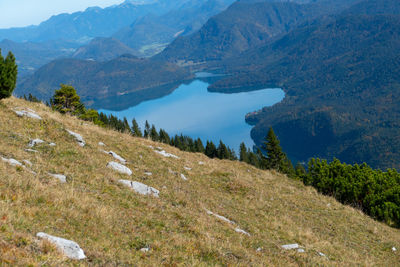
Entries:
{"x":341,"y":78}
{"x":101,"y":80}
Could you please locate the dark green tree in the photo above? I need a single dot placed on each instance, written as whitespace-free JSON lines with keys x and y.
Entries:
{"x":276,"y":159}
{"x":222,"y":151}
{"x":8,"y":75}
{"x":154,"y":134}
{"x":243,"y":156}
{"x":67,"y":101}
{"x":199,"y":147}
{"x":211,"y":150}
{"x":136,"y":129}
{"x":164,"y":137}
{"x":146,"y":133}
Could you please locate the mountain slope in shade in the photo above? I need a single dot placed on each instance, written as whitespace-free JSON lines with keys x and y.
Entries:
{"x":342,"y":81}
{"x":100,"y":80}
{"x":244,"y":26}
{"x":102,"y":49}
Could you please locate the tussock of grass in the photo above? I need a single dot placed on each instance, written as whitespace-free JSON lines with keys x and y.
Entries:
{"x":112,"y":223}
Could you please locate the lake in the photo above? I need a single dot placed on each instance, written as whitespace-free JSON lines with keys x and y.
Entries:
{"x":193,"y":111}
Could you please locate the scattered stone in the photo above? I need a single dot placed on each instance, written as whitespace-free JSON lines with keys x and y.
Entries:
{"x":238,"y":230}
{"x":78,"y":138}
{"x":34,"y":142}
{"x":164,"y":187}
{"x":159,"y":148}
{"x":52,"y":144}
{"x":394,"y":249}
{"x":259,"y":249}
{"x":28,"y":113}
{"x":187,"y":168}
{"x":321,"y":254}
{"x":116,"y":156}
{"x":201,"y":163}
{"x":300,"y":250}
{"x":67,"y":247}
{"x":140,"y":188}
{"x":328,"y":205}
{"x":172,"y":172}
{"x":148,"y":173}
{"x":62,"y":178}
{"x":12,"y":162}
{"x":145,"y":250}
{"x":101,"y":144}
{"x":27,"y":163}
{"x":220,"y":217}
{"x":166,"y":154}
{"x":291,"y":246}
{"x":119,"y":168}
{"x":183,"y":177}
{"x":31,"y":150}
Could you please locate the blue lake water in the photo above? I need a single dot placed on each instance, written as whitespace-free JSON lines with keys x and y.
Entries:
{"x":193,"y":111}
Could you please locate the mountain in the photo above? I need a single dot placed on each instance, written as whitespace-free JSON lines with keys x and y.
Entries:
{"x":30,"y":56}
{"x":84,"y":25}
{"x":102,"y":49}
{"x":114,"y":225}
{"x":151,"y":33}
{"x":341,"y":76}
{"x":243,"y":26}
{"x":101,"y":80}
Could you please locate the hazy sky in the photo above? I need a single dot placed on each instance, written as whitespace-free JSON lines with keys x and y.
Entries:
{"x":16,"y":13}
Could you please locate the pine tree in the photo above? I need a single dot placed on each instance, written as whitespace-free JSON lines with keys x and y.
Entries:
{"x":66,"y":100}
{"x":146,"y":130}
{"x":154,"y":134}
{"x":222,"y":151}
{"x":199,"y":147}
{"x":211,"y":150}
{"x":8,"y":75}
{"x":243,"y":153}
{"x":136,"y":129}
{"x":276,"y":159}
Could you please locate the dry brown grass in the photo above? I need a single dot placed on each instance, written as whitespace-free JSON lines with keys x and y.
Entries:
{"x":112,"y":223}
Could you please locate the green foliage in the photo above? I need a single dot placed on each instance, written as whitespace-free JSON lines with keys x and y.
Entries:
{"x":211,"y":150}
{"x":276,"y":159}
{"x":375,"y":192}
{"x":67,"y":101}
{"x":8,"y":75}
{"x":136,"y":129}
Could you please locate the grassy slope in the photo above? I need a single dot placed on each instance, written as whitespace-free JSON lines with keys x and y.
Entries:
{"x":111,"y":223}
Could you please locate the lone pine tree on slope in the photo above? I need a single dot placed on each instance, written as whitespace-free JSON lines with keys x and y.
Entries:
{"x":8,"y":75}
{"x":276,"y":159}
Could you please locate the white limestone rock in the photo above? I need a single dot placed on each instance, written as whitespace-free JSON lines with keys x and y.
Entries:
{"x":101,"y":144}
{"x":116,"y":156}
{"x":28,"y":113}
{"x":241,"y":231}
{"x":140,"y":188}
{"x":119,"y":168}
{"x":52,"y":144}
{"x":321,"y":254}
{"x":145,"y":250}
{"x":34,"y":142}
{"x":290,"y":246}
{"x":148,"y":173}
{"x":166,"y":154}
{"x":187,"y":168}
{"x":220,"y":217}
{"x":67,"y":247}
{"x":12,"y":162}
{"x":300,"y":250}
{"x":78,"y":138}
{"x":201,"y":163}
{"x":183,"y":177}
{"x":259,"y":249}
{"x":394,"y":249}
{"x":62,"y":178}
